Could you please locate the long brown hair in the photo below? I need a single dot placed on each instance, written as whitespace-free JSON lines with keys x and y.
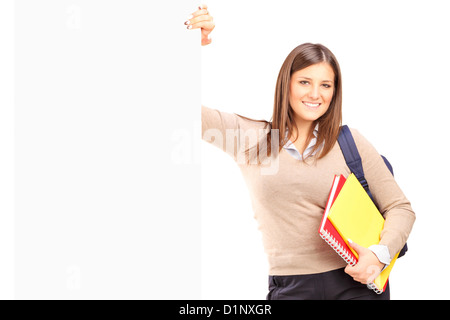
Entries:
{"x":301,"y":57}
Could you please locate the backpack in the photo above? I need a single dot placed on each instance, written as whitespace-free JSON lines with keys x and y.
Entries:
{"x":354,"y":163}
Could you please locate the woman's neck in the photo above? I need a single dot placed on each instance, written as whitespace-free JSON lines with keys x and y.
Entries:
{"x":302,"y":131}
{"x":300,"y":134}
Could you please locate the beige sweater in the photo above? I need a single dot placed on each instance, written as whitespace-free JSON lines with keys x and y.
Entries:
{"x":288,"y":198}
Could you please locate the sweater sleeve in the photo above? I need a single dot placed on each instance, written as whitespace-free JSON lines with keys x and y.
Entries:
{"x":230,"y":132}
{"x":388,"y":196}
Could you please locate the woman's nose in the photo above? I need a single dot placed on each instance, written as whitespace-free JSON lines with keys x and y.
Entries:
{"x":314,"y":92}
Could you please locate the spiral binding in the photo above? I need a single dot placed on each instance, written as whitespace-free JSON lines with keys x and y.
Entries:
{"x":340,"y":250}
{"x":374,"y":288}
{"x":326,"y":235}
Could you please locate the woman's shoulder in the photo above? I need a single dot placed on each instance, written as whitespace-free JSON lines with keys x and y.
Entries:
{"x":357,"y":136}
{"x":362,"y":143}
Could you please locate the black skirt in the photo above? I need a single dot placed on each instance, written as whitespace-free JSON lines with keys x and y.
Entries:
{"x":331,"y":285}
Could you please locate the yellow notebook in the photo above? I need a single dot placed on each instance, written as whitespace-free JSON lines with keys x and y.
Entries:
{"x":356,"y":217}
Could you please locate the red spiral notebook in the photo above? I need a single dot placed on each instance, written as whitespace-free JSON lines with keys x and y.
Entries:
{"x":328,"y":232}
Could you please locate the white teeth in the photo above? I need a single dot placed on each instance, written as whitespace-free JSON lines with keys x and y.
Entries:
{"x":312,"y":105}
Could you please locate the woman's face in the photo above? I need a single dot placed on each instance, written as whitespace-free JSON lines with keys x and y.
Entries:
{"x":311,"y":92}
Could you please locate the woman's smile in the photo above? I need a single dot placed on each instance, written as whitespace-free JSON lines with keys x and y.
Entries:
{"x":311,"y":105}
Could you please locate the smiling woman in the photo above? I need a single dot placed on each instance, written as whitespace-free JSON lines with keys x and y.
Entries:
{"x":288,"y":202}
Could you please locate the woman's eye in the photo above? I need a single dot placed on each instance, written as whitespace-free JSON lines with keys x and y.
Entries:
{"x":326,"y":85}
{"x":304,"y":82}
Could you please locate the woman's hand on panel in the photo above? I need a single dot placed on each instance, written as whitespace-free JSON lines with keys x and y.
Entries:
{"x":201,"y":19}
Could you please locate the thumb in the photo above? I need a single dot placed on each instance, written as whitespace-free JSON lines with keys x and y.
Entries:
{"x":355,"y":246}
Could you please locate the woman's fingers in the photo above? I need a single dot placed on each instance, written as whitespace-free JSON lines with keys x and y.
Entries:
{"x":199,"y":12}
{"x":198,"y":19}
{"x":206,"y":25}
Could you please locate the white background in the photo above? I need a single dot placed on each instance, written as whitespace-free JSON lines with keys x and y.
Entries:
{"x":395,"y":67}
{"x":393,"y":56}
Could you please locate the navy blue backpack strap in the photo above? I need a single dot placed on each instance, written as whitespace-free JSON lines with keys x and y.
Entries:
{"x":352,"y":157}
{"x":354,"y":163}
{"x":388,"y":165}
